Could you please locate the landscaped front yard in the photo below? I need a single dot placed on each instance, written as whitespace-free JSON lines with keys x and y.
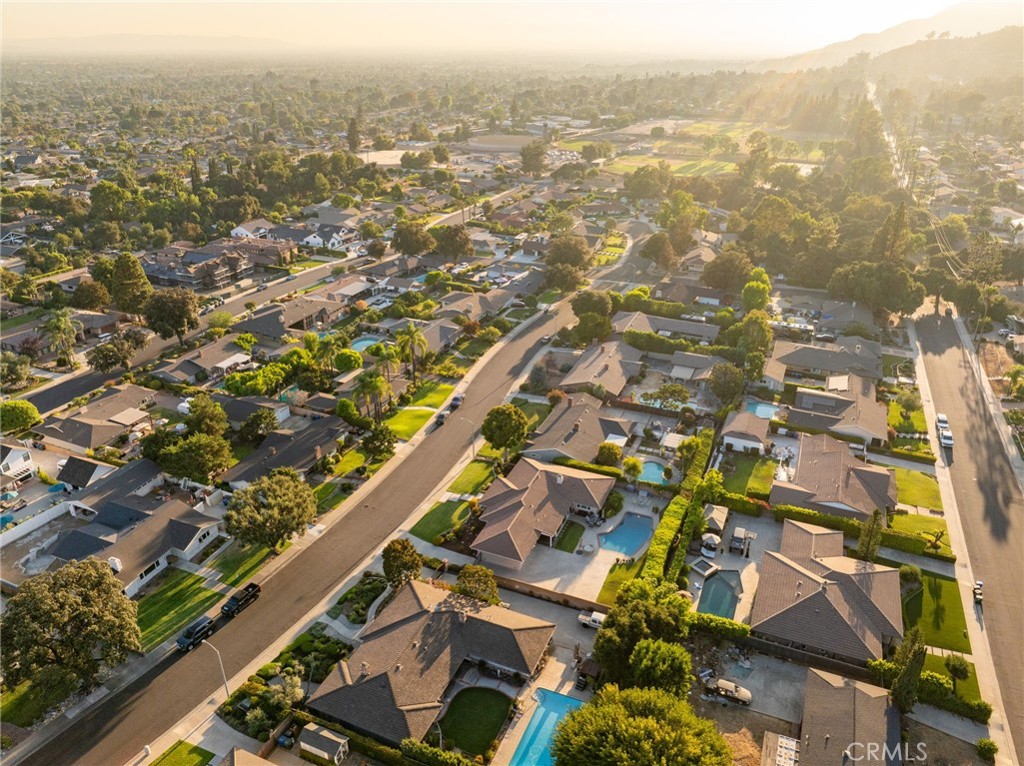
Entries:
{"x":536,"y":412}
{"x":349,"y":462}
{"x":431,"y":394}
{"x":474,"y":718}
{"x":407,"y":422}
{"x":27,"y":702}
{"x":441,"y":518}
{"x":240,"y":562}
{"x":184,"y":754}
{"x":925,"y":526}
{"x":618,"y":576}
{"x":967,"y":689}
{"x":752,"y":475}
{"x":909,"y":422}
{"x":472,"y":479}
{"x":936,"y":609}
{"x":916,"y":488}
{"x":180,"y":598}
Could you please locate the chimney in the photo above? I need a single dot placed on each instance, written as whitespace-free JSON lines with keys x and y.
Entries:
{"x":364,"y":669}
{"x":569,"y":401}
{"x":559,"y":478}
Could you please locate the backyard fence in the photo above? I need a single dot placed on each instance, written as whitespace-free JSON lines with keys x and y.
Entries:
{"x":564,"y":599}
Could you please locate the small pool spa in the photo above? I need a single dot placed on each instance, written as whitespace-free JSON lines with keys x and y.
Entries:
{"x":534,"y":748}
{"x":629,"y":536}
{"x":364,"y":342}
{"x":721,"y":593}
{"x":653,"y":473}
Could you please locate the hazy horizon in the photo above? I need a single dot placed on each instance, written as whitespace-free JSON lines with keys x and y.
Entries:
{"x":684,"y":30}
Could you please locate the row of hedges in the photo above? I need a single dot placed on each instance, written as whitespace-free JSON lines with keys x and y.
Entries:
{"x":742,"y":504}
{"x":363,"y":744}
{"x":917,"y":457}
{"x":933,"y":689}
{"x":891,"y":538}
{"x":664,"y":536}
{"x":692,"y":526}
{"x":432,"y":756}
{"x":719,"y":627}
{"x":654,"y":343}
{"x":604,"y":470}
{"x":695,"y":470}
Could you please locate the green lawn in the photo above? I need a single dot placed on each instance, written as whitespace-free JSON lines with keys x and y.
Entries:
{"x":472,"y":479}
{"x":242,"y":450}
{"x":328,"y":495}
{"x":180,"y":598}
{"x":521,"y":314}
{"x":916,"y":488}
{"x":570,"y":537}
{"x":432,"y":394}
{"x":890,"y":363}
{"x":240,"y":562}
{"x":475,"y":348}
{"x":906,"y":422}
{"x":536,"y":412}
{"x":920,"y":446}
{"x":407,"y":422}
{"x":10,"y":324}
{"x":916,"y":524}
{"x":549,"y":296}
{"x":967,"y":689}
{"x":27,"y":702}
{"x":350,"y":462}
{"x":751,"y":475}
{"x":184,"y":754}
{"x":474,"y":718}
{"x":442,"y":517}
{"x":936,"y":609}
{"x":618,"y":576}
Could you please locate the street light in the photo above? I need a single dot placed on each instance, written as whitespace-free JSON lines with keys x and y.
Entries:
{"x":220,"y":662}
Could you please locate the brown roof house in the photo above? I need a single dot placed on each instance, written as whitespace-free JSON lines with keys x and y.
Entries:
{"x":637,"y":321}
{"x":847,"y":407}
{"x":276,"y":321}
{"x":847,"y":355}
{"x":393,"y":685}
{"x":531,"y":505}
{"x":606,"y":367}
{"x":813,"y":598}
{"x":575,"y":429}
{"x":829,"y":479}
{"x":99,"y":422}
{"x":746,"y":432}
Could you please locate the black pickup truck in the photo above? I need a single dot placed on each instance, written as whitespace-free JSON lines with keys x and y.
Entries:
{"x":241,"y":599}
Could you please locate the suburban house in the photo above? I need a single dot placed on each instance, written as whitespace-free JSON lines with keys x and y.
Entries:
{"x":473,"y":306}
{"x":575,"y":429}
{"x":210,"y":362}
{"x":100,"y":422}
{"x":608,"y":366}
{"x":441,"y":334}
{"x":262,"y":252}
{"x":80,"y":472}
{"x":204,"y":268}
{"x":829,"y":479}
{"x":841,"y":717}
{"x":846,"y":355}
{"x":136,"y":522}
{"x":637,"y":321}
{"x":331,"y":237}
{"x":292,"y":448}
{"x":694,"y":370}
{"x":813,"y":598}
{"x":15,"y":463}
{"x":351,"y":288}
{"x":258,"y":228}
{"x":846,"y":408}
{"x":694,"y":261}
{"x":839,"y":316}
{"x":688,"y":290}
{"x":746,"y":432}
{"x":394,"y":684}
{"x":276,"y":321}
{"x":531,"y":505}
{"x":239,"y":408}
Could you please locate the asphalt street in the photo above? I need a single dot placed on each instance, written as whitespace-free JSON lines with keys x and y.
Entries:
{"x":117,"y":729}
{"x":990,"y":503}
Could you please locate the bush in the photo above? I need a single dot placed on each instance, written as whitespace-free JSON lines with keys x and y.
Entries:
{"x":987,"y":749}
{"x":432,"y":756}
{"x":613,"y":504}
{"x":743,"y":504}
{"x":360,"y":743}
{"x":933,"y":689}
{"x":654,"y":343}
{"x":910,"y":574}
{"x":719,"y":627}
{"x":695,"y":469}
{"x":604,"y":470}
{"x":663,"y":539}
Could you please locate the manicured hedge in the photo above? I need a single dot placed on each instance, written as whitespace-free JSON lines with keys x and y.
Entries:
{"x":743,"y":504}
{"x":692,"y":525}
{"x":363,"y":744}
{"x":432,"y":756}
{"x":933,"y":689}
{"x":917,"y":457}
{"x":695,"y":470}
{"x":719,"y":627}
{"x":658,"y":344}
{"x":664,"y":536}
{"x":604,"y":470}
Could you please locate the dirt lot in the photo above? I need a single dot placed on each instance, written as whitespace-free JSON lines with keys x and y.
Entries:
{"x":743,"y":729}
{"x":997,"y":362}
{"x":943,"y":750}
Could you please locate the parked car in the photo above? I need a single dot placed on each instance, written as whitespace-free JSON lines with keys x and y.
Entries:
{"x":457,"y":401}
{"x":729,"y":690}
{"x":241,"y":599}
{"x":194,"y":634}
{"x":949,"y":311}
{"x":262,"y":287}
{"x":591,"y":619}
{"x":979,"y":596}
{"x":941,"y":421}
{"x":440,"y":419}
{"x":545,"y":339}
{"x":825,"y":337}
{"x":946,"y":438}
{"x":290,"y":278}
{"x":1006,"y":332}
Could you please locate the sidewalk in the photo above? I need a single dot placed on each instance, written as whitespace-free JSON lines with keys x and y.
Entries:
{"x":988,"y":681}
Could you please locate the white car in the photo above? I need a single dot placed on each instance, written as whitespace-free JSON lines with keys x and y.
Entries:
{"x":946,"y":438}
{"x":941,"y":421}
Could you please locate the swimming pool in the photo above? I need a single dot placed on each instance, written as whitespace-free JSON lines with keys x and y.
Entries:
{"x":653,"y":473}
{"x":762,"y":409}
{"x":629,"y":537}
{"x":720,"y":594}
{"x":363,"y":343}
{"x":5,"y":520}
{"x":534,"y":748}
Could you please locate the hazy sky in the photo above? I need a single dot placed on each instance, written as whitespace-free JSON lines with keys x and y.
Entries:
{"x":681,"y":28}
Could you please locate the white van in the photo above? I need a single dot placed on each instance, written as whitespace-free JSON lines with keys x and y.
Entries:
{"x":104,"y":337}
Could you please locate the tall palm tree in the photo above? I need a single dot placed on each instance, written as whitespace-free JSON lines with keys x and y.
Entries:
{"x":388,"y":362}
{"x":373,"y":390}
{"x":411,"y":343}
{"x":323,"y":350}
{"x":62,"y":329}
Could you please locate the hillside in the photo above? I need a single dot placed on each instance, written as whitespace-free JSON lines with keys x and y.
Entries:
{"x":997,"y":54}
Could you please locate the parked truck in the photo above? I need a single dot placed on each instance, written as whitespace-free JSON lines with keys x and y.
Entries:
{"x":592,"y":619}
{"x":241,"y":599}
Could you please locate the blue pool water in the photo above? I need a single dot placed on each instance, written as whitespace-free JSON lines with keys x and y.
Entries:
{"x":653,"y":473}
{"x":629,"y":536}
{"x":421,"y":278}
{"x":363,"y":343}
{"x":5,"y":520}
{"x":762,"y":409}
{"x":720,"y":594}
{"x":535,"y":747}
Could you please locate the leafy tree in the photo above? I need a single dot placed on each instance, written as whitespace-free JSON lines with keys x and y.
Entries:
{"x":563,"y":277}
{"x":671,"y":396}
{"x":641,"y":727}
{"x":90,"y":295}
{"x":377,"y":249}
{"x":708,"y":490}
{"x":17,"y":415}
{"x":608,"y":454}
{"x":878,"y":286}
{"x":110,"y":202}
{"x":910,"y":657}
{"x":592,"y":302}
{"x":220,"y":320}
{"x":893,"y":242}
{"x":371,"y":230}
{"x":354,"y":135}
{"x":570,"y":250}
{"x":755,"y":334}
{"x":657,"y":664}
{"x":453,"y":242}
{"x":205,"y":416}
{"x":412,"y":345}
{"x":658,"y":248}
{"x":755,"y":295}
{"x":728,"y":271}
{"x":726,"y":382}
{"x":102,"y":271}
{"x":648,"y":182}
{"x":66,"y":623}
{"x":401,"y":562}
{"x":118,"y":351}
{"x":957,"y":668}
{"x":347,"y":360}
{"x":632,"y":467}
{"x":173,"y":312}
{"x":679,"y":216}
{"x":505,"y":426}
{"x":534,"y":157}
{"x":255,"y":428}
{"x":380,"y":442}
{"x":593,"y":327}
{"x":129,"y":286}
{"x":412,"y":239}
{"x":478,"y":582}
{"x":30,"y":346}
{"x":15,"y":371}
{"x":753,"y":366}
{"x":347,"y":410}
{"x":271,"y":509}
{"x":198,"y":457}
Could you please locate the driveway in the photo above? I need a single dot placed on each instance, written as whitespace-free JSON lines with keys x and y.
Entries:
{"x":776,"y":686}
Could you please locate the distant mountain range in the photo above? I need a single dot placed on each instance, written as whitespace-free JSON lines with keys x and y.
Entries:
{"x":997,"y":54}
{"x":961,"y":20}
{"x":150,"y":45}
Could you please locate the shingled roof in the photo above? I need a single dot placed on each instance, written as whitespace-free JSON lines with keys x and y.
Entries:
{"x":392,"y":685}
{"x":576,"y":428}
